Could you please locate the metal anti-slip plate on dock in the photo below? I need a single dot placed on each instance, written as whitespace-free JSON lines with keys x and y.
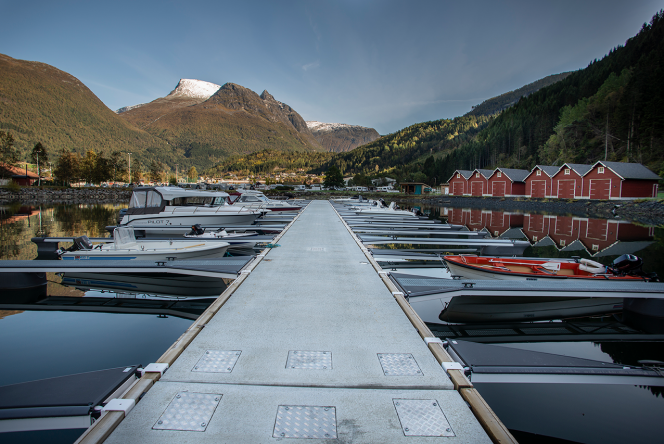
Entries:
{"x":399,"y":364}
{"x":422,"y":417}
{"x":189,"y":412}
{"x":316,"y":249}
{"x":299,"y":421}
{"x":313,"y":360}
{"x":217,"y":361}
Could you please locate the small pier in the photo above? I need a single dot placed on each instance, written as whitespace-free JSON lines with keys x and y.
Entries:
{"x":314,"y":341}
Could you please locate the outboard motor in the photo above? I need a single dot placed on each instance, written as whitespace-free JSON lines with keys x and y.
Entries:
{"x":196,"y":230}
{"x":80,"y":243}
{"x":627,"y":263}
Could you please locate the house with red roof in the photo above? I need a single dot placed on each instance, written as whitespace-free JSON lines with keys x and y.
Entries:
{"x":19,"y":175}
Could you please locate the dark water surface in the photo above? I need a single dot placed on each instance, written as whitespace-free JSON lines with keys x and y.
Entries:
{"x":42,"y":344}
{"x":45,"y":344}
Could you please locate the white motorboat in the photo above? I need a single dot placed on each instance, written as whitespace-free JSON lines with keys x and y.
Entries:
{"x":237,"y":239}
{"x":174,"y":206}
{"x":253,"y":199}
{"x":379,"y":209}
{"x":126,"y":247}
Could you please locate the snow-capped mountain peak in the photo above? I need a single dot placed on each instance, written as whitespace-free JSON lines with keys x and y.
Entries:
{"x":196,"y":89}
{"x":321,"y":126}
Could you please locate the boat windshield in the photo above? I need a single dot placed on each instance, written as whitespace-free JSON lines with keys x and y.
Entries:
{"x":123,"y":236}
{"x":143,"y":199}
{"x":197,"y":201}
{"x":253,"y":198}
{"x":138,"y":199}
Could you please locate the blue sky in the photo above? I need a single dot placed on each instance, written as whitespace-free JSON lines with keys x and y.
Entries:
{"x":377,"y":63}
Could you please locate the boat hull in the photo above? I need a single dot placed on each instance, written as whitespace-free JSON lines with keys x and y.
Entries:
{"x":146,"y":252}
{"x":519,"y":308}
{"x":472,"y":271}
{"x":187,"y":220}
{"x":153,"y":283}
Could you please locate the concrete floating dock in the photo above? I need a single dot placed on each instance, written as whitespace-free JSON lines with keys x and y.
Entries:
{"x":310,"y":343}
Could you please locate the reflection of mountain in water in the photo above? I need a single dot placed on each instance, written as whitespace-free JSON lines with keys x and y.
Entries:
{"x":86,"y":219}
{"x":19,"y":224}
{"x":630,"y":353}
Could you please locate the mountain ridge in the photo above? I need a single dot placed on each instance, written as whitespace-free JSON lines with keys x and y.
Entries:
{"x":341,"y":137}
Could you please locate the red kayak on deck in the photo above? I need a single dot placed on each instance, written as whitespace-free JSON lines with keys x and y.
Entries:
{"x":513,"y":268}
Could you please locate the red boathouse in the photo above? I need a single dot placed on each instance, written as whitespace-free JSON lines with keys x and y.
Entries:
{"x":538,"y":182}
{"x":478,"y":183}
{"x":507,"y":182}
{"x":567,"y":183}
{"x":459,"y":182}
{"x":619,"y":180}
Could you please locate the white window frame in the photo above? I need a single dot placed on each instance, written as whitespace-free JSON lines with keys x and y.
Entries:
{"x":499,"y":174}
{"x":600,"y":170}
{"x":538,"y":173}
{"x":567,"y":171}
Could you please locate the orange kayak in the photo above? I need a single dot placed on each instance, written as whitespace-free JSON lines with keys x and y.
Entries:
{"x":487,"y":267}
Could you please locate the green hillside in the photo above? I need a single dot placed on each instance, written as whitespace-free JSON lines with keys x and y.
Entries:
{"x":266,"y":161}
{"x":39,"y":103}
{"x":500,"y":103}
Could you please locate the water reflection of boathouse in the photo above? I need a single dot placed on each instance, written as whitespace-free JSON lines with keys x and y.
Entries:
{"x":599,"y":237}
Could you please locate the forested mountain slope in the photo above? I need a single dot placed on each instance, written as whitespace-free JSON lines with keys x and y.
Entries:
{"x":610,"y":109}
{"x":500,"y":103}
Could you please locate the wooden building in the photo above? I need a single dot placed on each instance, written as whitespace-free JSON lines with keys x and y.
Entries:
{"x":478,"y":183}
{"x":459,"y":182}
{"x":508,"y":182}
{"x":619,"y":180}
{"x":415,"y":188}
{"x":539,"y":181}
{"x":567,"y":183}
{"x":21,"y":176}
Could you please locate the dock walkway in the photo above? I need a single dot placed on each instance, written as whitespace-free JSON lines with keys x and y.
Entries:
{"x":311,"y":345}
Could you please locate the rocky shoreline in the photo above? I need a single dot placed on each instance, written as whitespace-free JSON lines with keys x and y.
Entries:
{"x":44,"y":195}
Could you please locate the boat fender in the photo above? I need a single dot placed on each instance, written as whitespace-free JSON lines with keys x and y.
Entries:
{"x":591,"y":266}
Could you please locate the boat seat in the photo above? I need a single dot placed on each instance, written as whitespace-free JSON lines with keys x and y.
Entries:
{"x":520,"y":268}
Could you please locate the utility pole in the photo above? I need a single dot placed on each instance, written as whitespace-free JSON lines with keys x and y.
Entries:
{"x":176,"y":173}
{"x":38,"y":172}
{"x":606,"y":138}
{"x":129,"y":167}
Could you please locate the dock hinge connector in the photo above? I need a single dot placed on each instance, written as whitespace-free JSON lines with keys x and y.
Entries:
{"x":155,"y":368}
{"x":447,"y":366}
{"x":119,"y":405}
{"x":433,"y":339}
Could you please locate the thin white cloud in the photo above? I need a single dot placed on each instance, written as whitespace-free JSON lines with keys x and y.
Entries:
{"x":311,"y":65}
